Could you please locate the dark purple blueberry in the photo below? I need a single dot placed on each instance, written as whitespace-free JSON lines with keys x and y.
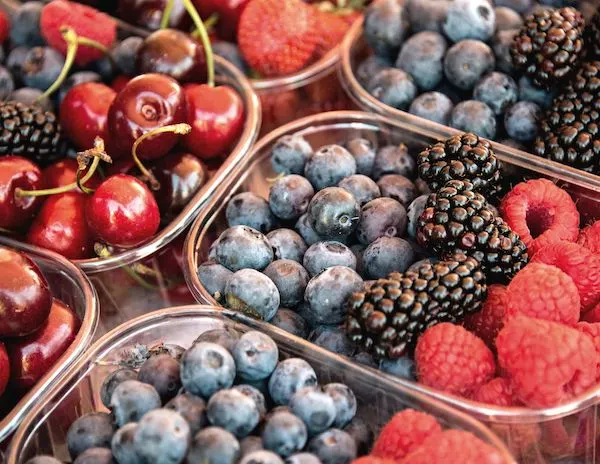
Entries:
{"x":323,"y":255}
{"x":307,"y":231}
{"x":315,"y":407}
{"x":398,"y":187}
{"x":248,"y":209}
{"x":290,"y":278}
{"x":291,"y":322}
{"x":371,"y":66}
{"x":415,"y":209}
{"x":332,"y":338}
{"x":329,"y":165}
{"x":42,"y":67}
{"x":287,"y":244}
{"x":289,"y":154}
{"x":227,"y":337}
{"x":213,"y":277}
{"x":250,"y":444}
{"x":402,"y":367}
{"x":233,"y":411}
{"x":366,"y":359}
{"x":131,"y":400}
{"x":162,"y":437}
{"x":362,"y":433}
{"x":394,"y":159}
{"x":7,"y":84}
{"x":162,"y":372}
{"x":261,"y":457}
{"x":333,"y":213}
{"x":521,"y":121}
{"x":422,"y":56}
{"x":345,"y":403}
{"x":528,"y":91}
{"x":252,"y":293}
{"x":434,"y":106}
{"x":255,"y":355}
{"x":507,"y":18}
{"x":214,"y":445}
{"x":112,"y":380}
{"x":256,"y":395}
{"x":289,"y":196}
{"x":381,"y":217}
{"x":333,"y":447}
{"x":426,"y":15}
{"x":470,"y":19}
{"x":385,"y":27}
{"x":501,"y":44}
{"x":467,"y":61}
{"x":243,"y":247}
{"x":25,"y":25}
{"x":362,"y":187}
{"x":393,"y":87}
{"x":31,"y":96}
{"x":386,"y":255}
{"x":231,"y":53}
{"x":497,"y":90}
{"x":93,"y":430}
{"x":95,"y":456}
{"x":303,"y":458}
{"x":15,"y":60}
{"x":207,"y":368}
{"x":284,"y":433}
{"x":474,"y":116}
{"x":289,"y":376}
{"x":363,"y":151}
{"x":192,"y":408}
{"x":122,"y":445}
{"x":124,"y":54}
{"x":358,"y":250}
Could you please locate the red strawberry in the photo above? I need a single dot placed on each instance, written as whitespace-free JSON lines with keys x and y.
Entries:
{"x":331,"y":30}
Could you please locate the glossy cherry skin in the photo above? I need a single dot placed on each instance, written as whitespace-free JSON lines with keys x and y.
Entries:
{"x":34,"y":355}
{"x":64,"y":172}
{"x":216,"y":115}
{"x":123,"y":212}
{"x":180,"y":176}
{"x":229,"y":12}
{"x":4,"y":368}
{"x":61,"y":226}
{"x":17,"y":172}
{"x":174,"y":53}
{"x":147,"y":102}
{"x":84,"y":112}
{"x":148,"y":13}
{"x":120,"y":82}
{"x":25,"y":298}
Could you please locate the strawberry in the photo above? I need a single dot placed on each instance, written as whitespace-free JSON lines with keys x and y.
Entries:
{"x":332,"y":28}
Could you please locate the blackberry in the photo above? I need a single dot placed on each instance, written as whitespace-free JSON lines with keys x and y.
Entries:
{"x":549,"y":45}
{"x":457,"y":219}
{"x":462,"y":157}
{"x":592,"y":36}
{"x":29,"y":131}
{"x":387,"y":318}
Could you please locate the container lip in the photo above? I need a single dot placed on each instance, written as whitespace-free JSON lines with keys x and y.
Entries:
{"x":365,"y":101}
{"x":84,"y":337}
{"x":367,"y":120}
{"x":100,"y":347}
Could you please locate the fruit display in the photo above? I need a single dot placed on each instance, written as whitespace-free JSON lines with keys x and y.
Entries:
{"x":519,"y":72}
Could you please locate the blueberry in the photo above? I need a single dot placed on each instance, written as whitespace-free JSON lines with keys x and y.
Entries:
{"x":162,"y":372}
{"x":95,"y":456}
{"x":323,"y":255}
{"x":426,"y":15}
{"x":261,"y":457}
{"x":255,"y":356}
{"x":333,"y":447}
{"x":214,"y":445}
{"x":417,"y":265}
{"x":162,"y":437}
{"x":290,"y":376}
{"x":25,"y":25}
{"x":507,"y":18}
{"x":231,"y":53}
{"x":41,"y":460}
{"x":333,"y":213}
{"x":332,"y":338}
{"x":291,"y":322}
{"x":111,"y":382}
{"x":233,"y":411}
{"x":329,"y":165}
{"x":470,"y":19}
{"x":474,"y":116}
{"x":287,"y":244}
{"x":501,"y":44}
{"x":415,"y":209}
{"x":124,"y":54}
{"x":362,"y":187}
{"x":371,"y":66}
{"x":242,"y":247}
{"x":434,"y":106}
{"x":398,"y":188}
{"x":226,"y":337}
{"x":214,"y":277}
{"x":393,"y":87}
{"x":303,"y":458}
{"x":250,"y":444}
{"x":529,"y":92}
{"x":289,"y":154}
{"x":381,"y":217}
{"x":42,"y":67}
{"x":192,"y":409}
{"x":345,"y":403}
{"x":31,"y":96}
{"x":422,"y":57}
{"x":306,"y":230}
{"x":252,"y":293}
{"x":385,"y":27}
{"x":358,"y":250}
{"x":7,"y":84}
{"x":15,"y":60}
{"x":207,"y":368}
{"x":131,"y":400}
{"x":94,"y":430}
{"x":248,"y":209}
{"x":402,"y":367}
{"x":466,"y":62}
{"x":289,"y":196}
{"x":290,"y":278}
{"x":386,"y":255}
{"x":362,"y":434}
{"x":521,"y":121}
{"x":497,"y":90}
{"x":284,"y":433}
{"x":521,"y":6}
{"x":394,"y":159}
{"x":255,"y":395}
{"x":122,"y":445}
{"x":315,"y":407}
{"x":366,"y":359}
{"x":75,"y":79}
{"x":363,"y":151}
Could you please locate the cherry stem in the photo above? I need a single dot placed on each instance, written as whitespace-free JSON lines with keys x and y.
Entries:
{"x":164,"y":22}
{"x":103,"y":252}
{"x":201,"y":30}
{"x":180,"y":129}
{"x":70,"y":36}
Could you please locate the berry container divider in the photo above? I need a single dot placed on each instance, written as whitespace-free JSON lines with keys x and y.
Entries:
{"x":73,"y":287}
{"x":336,"y":127}
{"x":44,"y":429}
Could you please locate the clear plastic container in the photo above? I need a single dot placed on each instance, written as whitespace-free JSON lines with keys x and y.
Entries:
{"x":71,"y":286}
{"x":512,"y":424}
{"x":45,"y":428}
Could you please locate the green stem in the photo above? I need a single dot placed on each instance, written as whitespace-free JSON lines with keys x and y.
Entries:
{"x":103,"y":252}
{"x":210,"y":64}
{"x":164,"y":22}
{"x":71,"y":38}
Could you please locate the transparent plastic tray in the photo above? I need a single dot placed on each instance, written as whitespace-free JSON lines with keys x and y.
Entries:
{"x":336,"y":127}
{"x":45,"y":428}
{"x":71,"y":286}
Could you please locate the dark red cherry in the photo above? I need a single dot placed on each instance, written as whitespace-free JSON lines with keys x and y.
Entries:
{"x":25,"y":297}
{"x":228,"y":11}
{"x":17,"y":172}
{"x":148,"y":13}
{"x":174,"y":53}
{"x":61,"y":226}
{"x":34,"y":355}
{"x":120,"y":82}
{"x":216,"y":115}
{"x":84,"y":111}
{"x":123,"y":212}
{"x":64,"y":172}
{"x":4,"y":368}
{"x":147,"y":102}
{"x":121,"y":166}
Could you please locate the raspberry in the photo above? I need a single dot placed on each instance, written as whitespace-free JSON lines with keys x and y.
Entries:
{"x":593,"y":315}
{"x":85,"y":20}
{"x":497,"y":392}
{"x":373,"y":460}
{"x":543,"y":292}
{"x":593,"y":331}
{"x":548,"y":363}
{"x":541,"y":213}
{"x":589,"y":237}
{"x":487,"y":323}
{"x":454,"y":446}
{"x":404,"y":433}
{"x":4,"y":26}
{"x":451,"y":358}
{"x":580,"y":264}
{"x":521,"y":439}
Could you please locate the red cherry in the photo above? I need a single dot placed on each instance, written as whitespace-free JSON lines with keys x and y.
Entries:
{"x":34,"y":355}
{"x":64,"y":172}
{"x":229,"y":12}
{"x":4,"y":32}
{"x":61,"y":226}
{"x":25,"y":297}
{"x":148,"y":13}
{"x":120,"y":82}
{"x":17,"y":172}
{"x":84,"y":111}
{"x":216,"y":115}
{"x":171,"y":259}
{"x":123,"y":212}
{"x":121,"y":166}
{"x":4,"y":368}
{"x":147,"y":102}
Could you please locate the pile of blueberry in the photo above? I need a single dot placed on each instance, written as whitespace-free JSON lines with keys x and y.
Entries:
{"x":335,"y":218}
{"x":226,"y":399}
